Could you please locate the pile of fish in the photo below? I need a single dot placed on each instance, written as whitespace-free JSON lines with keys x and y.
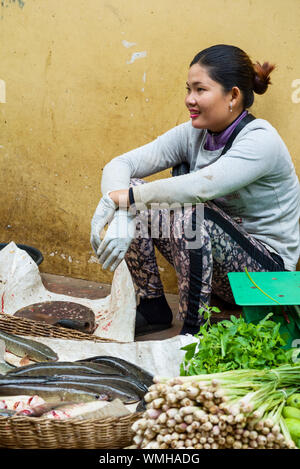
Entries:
{"x":100,"y":378}
{"x":36,"y":406}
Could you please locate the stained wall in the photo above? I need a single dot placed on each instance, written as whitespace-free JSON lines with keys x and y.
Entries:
{"x":82,"y":82}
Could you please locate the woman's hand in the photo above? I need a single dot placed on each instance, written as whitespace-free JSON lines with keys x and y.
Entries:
{"x":117,"y":240}
{"x":103,"y":214}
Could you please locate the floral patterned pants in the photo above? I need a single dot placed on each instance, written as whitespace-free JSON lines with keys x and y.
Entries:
{"x":224,"y":247}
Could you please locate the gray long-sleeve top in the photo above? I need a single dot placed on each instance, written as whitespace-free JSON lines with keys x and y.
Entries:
{"x":255,"y":181}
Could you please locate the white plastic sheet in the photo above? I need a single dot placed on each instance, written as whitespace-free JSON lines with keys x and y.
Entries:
{"x":21,"y":285}
{"x":159,"y":357}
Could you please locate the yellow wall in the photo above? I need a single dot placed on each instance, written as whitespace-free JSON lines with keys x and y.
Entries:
{"x":72,"y":98}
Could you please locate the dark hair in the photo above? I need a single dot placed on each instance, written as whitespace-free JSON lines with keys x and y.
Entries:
{"x":231,"y":66}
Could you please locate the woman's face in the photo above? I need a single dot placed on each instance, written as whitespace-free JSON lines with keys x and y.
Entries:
{"x":208,"y":104}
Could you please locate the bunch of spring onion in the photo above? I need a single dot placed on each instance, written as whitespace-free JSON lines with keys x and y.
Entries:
{"x":239,"y":409}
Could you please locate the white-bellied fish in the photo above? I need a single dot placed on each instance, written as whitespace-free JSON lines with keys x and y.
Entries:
{"x":27,"y":348}
{"x":54,"y":393}
{"x":4,"y":366}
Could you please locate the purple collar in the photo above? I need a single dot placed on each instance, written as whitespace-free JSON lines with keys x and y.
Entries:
{"x":214,"y":141}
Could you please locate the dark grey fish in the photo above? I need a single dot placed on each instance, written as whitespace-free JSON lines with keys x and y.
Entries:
{"x":4,"y":380}
{"x":124,"y":367}
{"x":125,"y":383}
{"x":56,"y":368}
{"x":112,"y":389}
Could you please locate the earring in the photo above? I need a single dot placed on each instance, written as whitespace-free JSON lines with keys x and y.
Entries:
{"x":230,"y":106}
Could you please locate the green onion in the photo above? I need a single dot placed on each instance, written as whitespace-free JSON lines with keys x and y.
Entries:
{"x":237,"y":409}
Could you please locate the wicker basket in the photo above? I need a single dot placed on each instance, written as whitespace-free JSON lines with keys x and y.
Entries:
{"x":21,"y":432}
{"x":22,"y":326}
{"x":43,"y":433}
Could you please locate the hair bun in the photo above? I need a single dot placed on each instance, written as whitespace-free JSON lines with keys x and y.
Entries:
{"x":262,"y":77}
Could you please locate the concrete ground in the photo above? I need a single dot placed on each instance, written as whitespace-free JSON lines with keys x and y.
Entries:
{"x":94,"y":290}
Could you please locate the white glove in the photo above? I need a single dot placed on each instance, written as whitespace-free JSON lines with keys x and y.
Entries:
{"x":103,"y":214}
{"x":117,"y":240}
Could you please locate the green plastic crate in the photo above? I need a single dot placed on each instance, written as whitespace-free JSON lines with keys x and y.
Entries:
{"x":283,"y":301}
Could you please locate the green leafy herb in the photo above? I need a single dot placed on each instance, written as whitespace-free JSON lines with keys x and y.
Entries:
{"x":235,"y":344}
